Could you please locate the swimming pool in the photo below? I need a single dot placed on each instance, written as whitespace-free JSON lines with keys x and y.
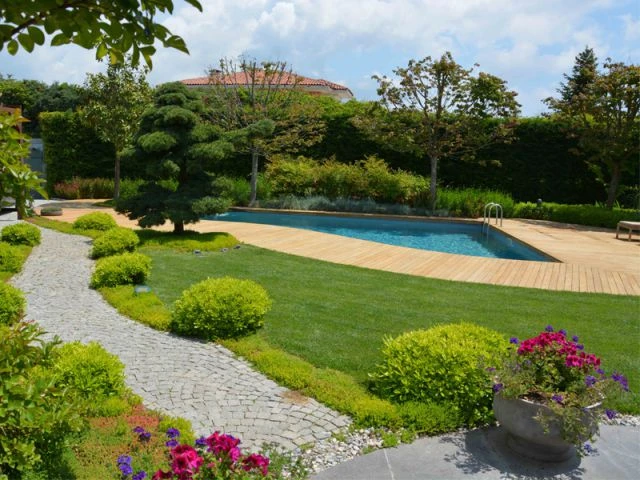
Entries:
{"x":448,"y":237}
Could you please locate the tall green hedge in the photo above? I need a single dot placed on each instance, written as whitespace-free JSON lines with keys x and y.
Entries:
{"x":72,"y":149}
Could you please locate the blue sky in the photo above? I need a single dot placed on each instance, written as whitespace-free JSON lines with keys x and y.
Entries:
{"x":528,"y":43}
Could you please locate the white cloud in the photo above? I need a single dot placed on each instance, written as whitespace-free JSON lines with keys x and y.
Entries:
{"x":529,"y":43}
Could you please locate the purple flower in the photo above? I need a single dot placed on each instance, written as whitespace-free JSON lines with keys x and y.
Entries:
{"x":562,"y":332}
{"x":124,"y":459}
{"x":514,"y":340}
{"x":491,"y":369}
{"x":172,"y":443}
{"x":143,"y":435}
{"x":611,"y":414}
{"x":497,"y":387}
{"x":201,"y":442}
{"x":557,"y":398}
{"x":548,"y":328}
{"x":575,"y":338}
{"x":580,"y":346}
{"x":173,"y":433}
{"x":590,"y":380}
{"x":621,"y":379}
{"x":141,"y":475}
{"x":600,"y":371}
{"x":587,"y":448}
{"x":126,"y":469}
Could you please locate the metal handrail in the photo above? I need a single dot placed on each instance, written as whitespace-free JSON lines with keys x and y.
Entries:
{"x":486,"y":217}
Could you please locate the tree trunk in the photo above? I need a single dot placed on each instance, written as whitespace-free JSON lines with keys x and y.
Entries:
{"x":254,"y":177}
{"x":178,"y":228}
{"x":116,"y":178}
{"x":613,"y":185}
{"x":433,"y":182}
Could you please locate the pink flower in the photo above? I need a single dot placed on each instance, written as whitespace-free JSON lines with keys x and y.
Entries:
{"x":224,"y":444}
{"x":159,"y":475}
{"x":186,"y":461}
{"x":573,"y":361}
{"x":256,"y":461}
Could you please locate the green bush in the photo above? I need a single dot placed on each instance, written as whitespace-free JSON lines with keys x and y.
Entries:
{"x":21,"y":234}
{"x":444,"y":364}
{"x":90,"y":372}
{"x":114,"y":241}
{"x":369,"y":178}
{"x":36,"y":418}
{"x":237,"y":190}
{"x":127,"y":268}
{"x":591,"y":215}
{"x":220,"y":308}
{"x":429,"y":418}
{"x":470,"y":202}
{"x":95,"y":221}
{"x":12,"y":304}
{"x":10,"y":258}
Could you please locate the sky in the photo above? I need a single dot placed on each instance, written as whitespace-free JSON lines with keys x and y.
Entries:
{"x":528,"y":43}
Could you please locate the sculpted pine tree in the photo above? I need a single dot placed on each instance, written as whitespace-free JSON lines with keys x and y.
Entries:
{"x":437,"y":109}
{"x":179,"y":150}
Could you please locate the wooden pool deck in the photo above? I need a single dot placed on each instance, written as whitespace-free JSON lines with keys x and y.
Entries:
{"x":589,"y":259}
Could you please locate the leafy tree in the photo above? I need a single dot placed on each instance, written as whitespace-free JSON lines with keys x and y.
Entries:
{"x":36,"y":97}
{"x":249,"y":93}
{"x":17,"y":180}
{"x":179,"y":149}
{"x":605,"y":120}
{"x":113,"y":28}
{"x":115,"y":103}
{"x":436,"y":109}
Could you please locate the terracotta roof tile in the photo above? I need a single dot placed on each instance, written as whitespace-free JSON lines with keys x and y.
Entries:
{"x":241,"y":78}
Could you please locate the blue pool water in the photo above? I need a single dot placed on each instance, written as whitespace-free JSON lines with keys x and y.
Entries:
{"x":449,"y":237}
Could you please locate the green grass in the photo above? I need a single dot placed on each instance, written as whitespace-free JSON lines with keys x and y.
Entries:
{"x":24,"y":250}
{"x":336,"y":316}
{"x":63,"y":227}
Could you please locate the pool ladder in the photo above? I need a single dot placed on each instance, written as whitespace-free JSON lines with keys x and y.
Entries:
{"x":486,"y":218}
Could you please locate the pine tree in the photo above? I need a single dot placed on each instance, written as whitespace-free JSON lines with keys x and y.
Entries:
{"x":179,"y":150}
{"x":583,"y":75}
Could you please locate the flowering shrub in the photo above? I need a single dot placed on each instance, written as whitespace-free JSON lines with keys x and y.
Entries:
{"x":217,"y":456}
{"x":556,"y":371}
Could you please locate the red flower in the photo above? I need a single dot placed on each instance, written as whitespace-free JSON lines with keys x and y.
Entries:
{"x":256,"y":461}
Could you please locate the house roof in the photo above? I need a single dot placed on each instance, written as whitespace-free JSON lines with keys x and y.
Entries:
{"x":241,"y":78}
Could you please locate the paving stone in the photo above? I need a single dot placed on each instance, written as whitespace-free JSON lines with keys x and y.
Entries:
{"x":178,"y":376}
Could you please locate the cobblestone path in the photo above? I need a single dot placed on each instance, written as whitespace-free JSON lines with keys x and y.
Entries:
{"x":202,"y":382}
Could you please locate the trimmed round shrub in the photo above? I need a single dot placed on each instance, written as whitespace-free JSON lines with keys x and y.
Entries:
{"x":10,"y":258}
{"x":21,"y":234}
{"x":127,"y":268}
{"x":444,"y":364}
{"x":220,"y":308}
{"x":95,"y":221}
{"x":114,"y":241}
{"x":89,"y":370}
{"x":12,"y":304}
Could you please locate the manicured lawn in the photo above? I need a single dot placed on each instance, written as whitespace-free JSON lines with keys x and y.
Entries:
{"x":337,"y":316}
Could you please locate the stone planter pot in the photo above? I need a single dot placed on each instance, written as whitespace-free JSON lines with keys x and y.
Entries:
{"x":525,"y":435}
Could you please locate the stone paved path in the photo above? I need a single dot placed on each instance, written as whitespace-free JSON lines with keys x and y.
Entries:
{"x":202,"y":382}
